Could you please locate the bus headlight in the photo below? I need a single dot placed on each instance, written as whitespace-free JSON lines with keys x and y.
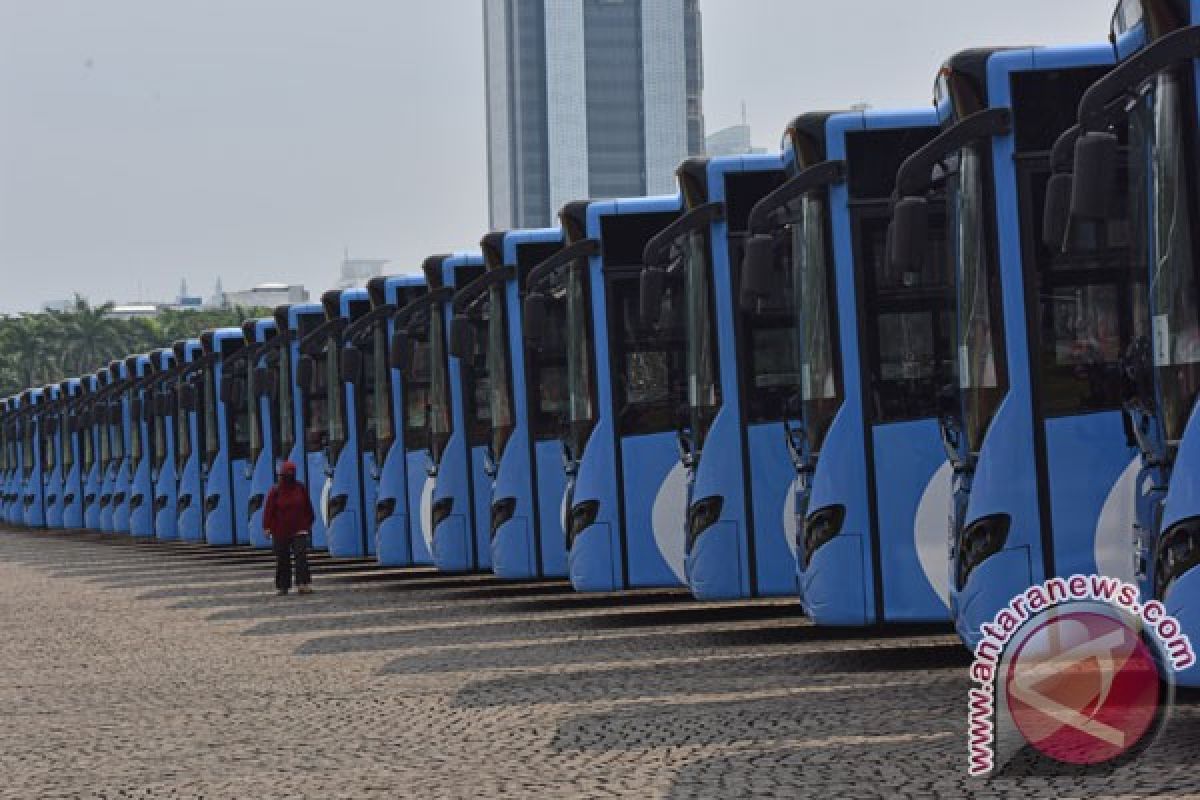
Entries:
{"x":337,"y":504}
{"x":820,"y":527}
{"x":582,"y":515}
{"x":502,"y":511}
{"x":983,"y":538}
{"x":1178,"y":551}
{"x":441,"y":509}
{"x":701,"y":516}
{"x":384,"y":509}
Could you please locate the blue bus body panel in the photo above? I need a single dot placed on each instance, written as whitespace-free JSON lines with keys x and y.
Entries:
{"x":552,"y":496}
{"x":1005,"y":479}
{"x":772,"y":488}
{"x":123,"y":480}
{"x":913,"y":481}
{"x":420,"y":490}
{"x":262,"y":477}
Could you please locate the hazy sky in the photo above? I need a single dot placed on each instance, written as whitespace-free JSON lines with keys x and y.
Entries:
{"x":146,"y":141}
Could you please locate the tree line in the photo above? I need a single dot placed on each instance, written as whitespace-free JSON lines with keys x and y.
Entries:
{"x":51,"y":346}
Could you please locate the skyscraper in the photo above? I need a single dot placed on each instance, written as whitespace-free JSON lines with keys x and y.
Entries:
{"x":588,"y":98}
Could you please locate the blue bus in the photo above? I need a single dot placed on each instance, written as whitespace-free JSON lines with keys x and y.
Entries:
{"x":457,"y":494}
{"x":398,"y":540}
{"x":1158,"y":44}
{"x":409,"y":356}
{"x":307,"y":411}
{"x":33,"y":489}
{"x":8,"y":455}
{"x":1037,"y":433}
{"x":161,"y":397}
{"x":69,"y":508}
{"x":226,"y":439}
{"x":121,"y":430}
{"x":526,"y":402}
{"x":740,"y":386}
{"x":262,"y":339}
{"x":189,"y":439}
{"x":95,"y":449}
{"x":53,"y":438}
{"x":626,"y":400}
{"x":875,"y":353}
{"x":349,"y":532}
{"x":141,"y":481}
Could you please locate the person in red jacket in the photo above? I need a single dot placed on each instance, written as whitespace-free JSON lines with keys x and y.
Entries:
{"x":287,"y":519}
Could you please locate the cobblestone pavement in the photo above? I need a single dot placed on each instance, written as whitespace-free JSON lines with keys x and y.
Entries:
{"x":151,"y":670}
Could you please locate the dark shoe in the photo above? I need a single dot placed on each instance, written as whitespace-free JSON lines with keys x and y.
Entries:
{"x":305,"y":589}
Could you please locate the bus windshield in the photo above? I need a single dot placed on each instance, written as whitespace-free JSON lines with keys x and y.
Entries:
{"x":68,"y":436}
{"x":335,"y":397}
{"x":581,"y":389}
{"x":703,"y":388}
{"x":283,"y":403}
{"x":546,"y":372}
{"x":254,"y":421}
{"x":116,"y":430}
{"x":909,"y":319}
{"x":159,"y":437}
{"x":499,"y":370}
{"x":820,"y":373}
{"x":183,"y":430}
{"x":135,"y":429}
{"x":441,"y":419}
{"x":982,"y":372}
{"x":212,"y":442}
{"x":381,"y":426}
{"x":416,"y":396}
{"x":1173,"y":281}
{"x":49,"y":444}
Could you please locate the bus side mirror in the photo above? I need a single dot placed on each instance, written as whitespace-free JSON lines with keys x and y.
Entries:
{"x":459,"y":342}
{"x":907,"y":236}
{"x":162,"y":402}
{"x":398,"y":350}
{"x":1056,"y":214}
{"x":350,"y":368}
{"x":148,"y":408}
{"x":1095,"y":175}
{"x":114,"y":413}
{"x":651,"y":294}
{"x":304,"y":374}
{"x":758,"y":266}
{"x":135,"y":408}
{"x":533,"y":317}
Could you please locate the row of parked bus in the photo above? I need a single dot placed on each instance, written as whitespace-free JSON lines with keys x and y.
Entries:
{"x":907,"y":367}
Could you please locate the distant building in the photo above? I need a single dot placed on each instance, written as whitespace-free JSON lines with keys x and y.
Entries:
{"x":588,"y":98}
{"x":133,"y":311}
{"x":732,"y":141}
{"x":266,"y":295}
{"x":357,"y":271}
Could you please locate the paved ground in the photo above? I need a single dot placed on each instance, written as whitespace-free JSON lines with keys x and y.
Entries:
{"x":173,"y":671}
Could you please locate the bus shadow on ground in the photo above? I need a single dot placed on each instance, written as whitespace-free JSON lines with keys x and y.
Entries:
{"x":850,"y":709}
{"x":748,"y":672}
{"x":482,"y":631}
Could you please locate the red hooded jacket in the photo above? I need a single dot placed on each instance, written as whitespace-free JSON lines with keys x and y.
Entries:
{"x":288,"y":510}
